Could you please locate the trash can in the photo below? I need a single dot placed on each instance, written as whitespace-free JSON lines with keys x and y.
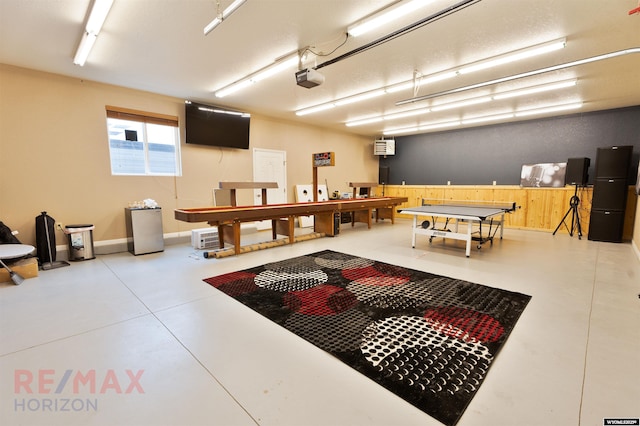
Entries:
{"x":80,"y":241}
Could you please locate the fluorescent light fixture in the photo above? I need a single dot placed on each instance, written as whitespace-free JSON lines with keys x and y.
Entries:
{"x":466,"y":102}
{"x":487,"y":118}
{"x":547,"y":110}
{"x":360,"y":97}
{"x":436,"y":77}
{"x":393,"y":116}
{"x":460,"y":104}
{"x":440,"y":125}
{"x":86,"y":44}
{"x":536,"y":89}
{"x":518,"y":55}
{"x":421,"y":128}
{"x":609,"y":55}
{"x":443,"y":75}
{"x":398,"y":87}
{"x":420,"y":81}
{"x":222,"y":16}
{"x":392,"y":132}
{"x":97,"y":16}
{"x":374,"y":93}
{"x":406,"y":114}
{"x":222,"y":111}
{"x":317,"y":108}
{"x":279,"y":65}
{"x":385,"y":16}
{"x":363,"y":122}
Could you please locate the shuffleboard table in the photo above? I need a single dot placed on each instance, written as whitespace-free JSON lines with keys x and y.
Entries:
{"x":282,"y":216}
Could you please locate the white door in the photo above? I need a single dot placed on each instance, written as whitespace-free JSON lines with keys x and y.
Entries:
{"x":270,"y":166}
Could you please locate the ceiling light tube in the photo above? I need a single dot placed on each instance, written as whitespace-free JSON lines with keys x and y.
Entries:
{"x":436,"y":77}
{"x":317,"y":108}
{"x":419,"y":128}
{"x":98,"y":15}
{"x":440,"y":125}
{"x":360,"y":97}
{"x":466,"y":102}
{"x":629,"y":51}
{"x":377,"y":92}
{"x":481,"y":119}
{"x":99,"y":11}
{"x":211,"y":25}
{"x":536,"y":89}
{"x":460,"y":104}
{"x":420,"y":81}
{"x":224,"y":15}
{"x":363,"y":121}
{"x":394,"y":116}
{"x":406,"y":114}
{"x":393,"y":132}
{"x":232,"y":88}
{"x":428,"y":79}
{"x":224,"y":111}
{"x":86,"y":44}
{"x":278,"y":65}
{"x":399,"y":87}
{"x":514,"y":56}
{"x":549,"y":109}
{"x":487,"y":118}
{"x":385,"y":16}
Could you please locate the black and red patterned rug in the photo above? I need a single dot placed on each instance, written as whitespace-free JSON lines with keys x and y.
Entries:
{"x":427,"y":338}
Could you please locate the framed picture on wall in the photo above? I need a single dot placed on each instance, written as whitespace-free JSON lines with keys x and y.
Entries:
{"x":543,"y":175}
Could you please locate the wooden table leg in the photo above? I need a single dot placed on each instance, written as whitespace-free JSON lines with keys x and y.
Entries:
{"x":236,"y":236}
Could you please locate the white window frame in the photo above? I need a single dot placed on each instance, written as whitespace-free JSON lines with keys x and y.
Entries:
{"x":142,"y":120}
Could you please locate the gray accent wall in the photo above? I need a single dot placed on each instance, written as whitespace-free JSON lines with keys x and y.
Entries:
{"x":481,"y":155}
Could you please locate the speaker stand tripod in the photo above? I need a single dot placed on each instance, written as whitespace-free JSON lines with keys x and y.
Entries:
{"x":574,"y":202}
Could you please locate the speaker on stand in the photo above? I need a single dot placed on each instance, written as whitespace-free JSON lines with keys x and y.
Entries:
{"x":383,"y":177}
{"x":575,"y":174}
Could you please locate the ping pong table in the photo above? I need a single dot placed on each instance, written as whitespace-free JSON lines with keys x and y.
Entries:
{"x":491,"y":215}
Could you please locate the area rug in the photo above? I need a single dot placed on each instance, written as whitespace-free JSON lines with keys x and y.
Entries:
{"x":427,"y":338}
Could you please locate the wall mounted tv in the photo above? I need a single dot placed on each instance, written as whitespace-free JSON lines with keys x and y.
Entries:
{"x":215,"y":126}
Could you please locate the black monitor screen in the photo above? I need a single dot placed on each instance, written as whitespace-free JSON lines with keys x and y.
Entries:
{"x":215,"y":126}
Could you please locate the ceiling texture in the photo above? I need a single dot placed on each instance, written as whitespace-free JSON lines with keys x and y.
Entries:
{"x":159,"y":46}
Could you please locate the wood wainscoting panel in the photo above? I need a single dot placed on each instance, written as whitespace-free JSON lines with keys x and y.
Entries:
{"x":540,"y":209}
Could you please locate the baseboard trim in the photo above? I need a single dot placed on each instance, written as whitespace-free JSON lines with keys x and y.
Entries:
{"x":119,"y":245}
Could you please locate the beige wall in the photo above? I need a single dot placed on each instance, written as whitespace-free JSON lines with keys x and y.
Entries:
{"x":54,"y":156}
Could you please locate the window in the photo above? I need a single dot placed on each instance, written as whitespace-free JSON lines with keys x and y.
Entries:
{"x":142,"y":143}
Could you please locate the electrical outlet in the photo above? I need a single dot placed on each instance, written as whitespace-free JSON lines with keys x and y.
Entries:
{"x":59,"y":226}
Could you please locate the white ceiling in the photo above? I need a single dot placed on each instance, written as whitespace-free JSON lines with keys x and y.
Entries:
{"x":159,"y":46}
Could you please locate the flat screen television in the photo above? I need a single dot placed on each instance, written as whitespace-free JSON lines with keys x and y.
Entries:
{"x":215,"y":126}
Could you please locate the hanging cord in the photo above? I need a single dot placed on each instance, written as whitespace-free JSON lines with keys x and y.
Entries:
{"x":417,"y":78}
{"x":310,"y":49}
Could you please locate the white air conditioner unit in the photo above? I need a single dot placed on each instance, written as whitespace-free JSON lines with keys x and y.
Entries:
{"x":384,"y":147}
{"x":205,"y":238}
